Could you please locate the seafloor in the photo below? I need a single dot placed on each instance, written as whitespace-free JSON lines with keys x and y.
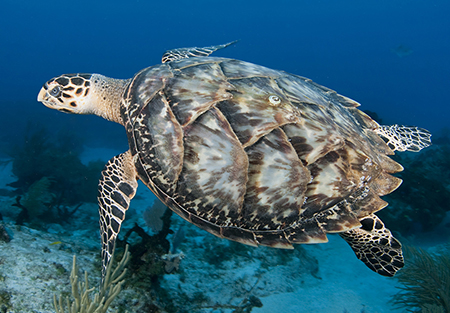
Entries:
{"x":214,"y":276}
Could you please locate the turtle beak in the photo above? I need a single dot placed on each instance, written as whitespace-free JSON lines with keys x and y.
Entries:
{"x":42,"y":96}
{"x":45,"y":98}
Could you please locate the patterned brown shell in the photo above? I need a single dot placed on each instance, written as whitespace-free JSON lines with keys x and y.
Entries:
{"x":255,"y":155}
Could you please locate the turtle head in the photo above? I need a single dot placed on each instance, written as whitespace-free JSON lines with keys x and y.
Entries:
{"x":69,"y":93}
{"x":84,"y":94}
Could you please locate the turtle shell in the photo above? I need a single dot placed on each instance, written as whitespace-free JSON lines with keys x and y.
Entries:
{"x":255,"y":155}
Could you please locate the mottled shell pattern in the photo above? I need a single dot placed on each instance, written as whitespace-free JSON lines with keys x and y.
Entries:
{"x":255,"y":155}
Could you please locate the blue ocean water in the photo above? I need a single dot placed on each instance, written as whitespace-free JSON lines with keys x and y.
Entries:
{"x":391,"y":56}
{"x":352,"y":47}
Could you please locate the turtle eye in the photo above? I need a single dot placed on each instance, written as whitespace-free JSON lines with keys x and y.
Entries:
{"x":55,"y":91}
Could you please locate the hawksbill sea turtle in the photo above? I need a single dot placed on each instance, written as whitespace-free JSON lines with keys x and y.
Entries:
{"x":247,"y":153}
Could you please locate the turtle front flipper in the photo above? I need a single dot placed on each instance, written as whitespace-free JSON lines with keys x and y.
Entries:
{"x":116,"y":188}
{"x":375,"y":246}
{"x":405,"y":138}
{"x":184,"y":53}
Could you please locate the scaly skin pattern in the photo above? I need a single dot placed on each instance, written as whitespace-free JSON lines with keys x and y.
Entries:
{"x":247,"y":153}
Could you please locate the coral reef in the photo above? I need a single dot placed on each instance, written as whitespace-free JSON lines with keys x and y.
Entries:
{"x":38,"y":197}
{"x":172,"y":261}
{"x":51,"y":176}
{"x":4,"y":236}
{"x":5,"y":301}
{"x":426,"y":282}
{"x":57,"y":158}
{"x":432,"y":308}
{"x":421,"y":202}
{"x":146,"y":262}
{"x":153,"y":216}
{"x":110,"y":288}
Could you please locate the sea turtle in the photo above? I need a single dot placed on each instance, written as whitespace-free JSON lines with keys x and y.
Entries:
{"x":251,"y":154}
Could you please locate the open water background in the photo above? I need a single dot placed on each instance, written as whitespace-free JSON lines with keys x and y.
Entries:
{"x":391,"y":56}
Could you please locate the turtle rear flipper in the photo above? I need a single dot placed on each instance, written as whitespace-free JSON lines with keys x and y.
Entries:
{"x":405,"y":138}
{"x":375,"y":246}
{"x":116,"y":188}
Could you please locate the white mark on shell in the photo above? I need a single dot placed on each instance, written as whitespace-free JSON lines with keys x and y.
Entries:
{"x":274,"y":100}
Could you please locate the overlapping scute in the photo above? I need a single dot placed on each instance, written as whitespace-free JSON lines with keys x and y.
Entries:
{"x":221,"y":122}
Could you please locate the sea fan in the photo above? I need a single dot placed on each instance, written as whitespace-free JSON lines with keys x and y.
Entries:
{"x":153,"y":216}
{"x":426,"y":282}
